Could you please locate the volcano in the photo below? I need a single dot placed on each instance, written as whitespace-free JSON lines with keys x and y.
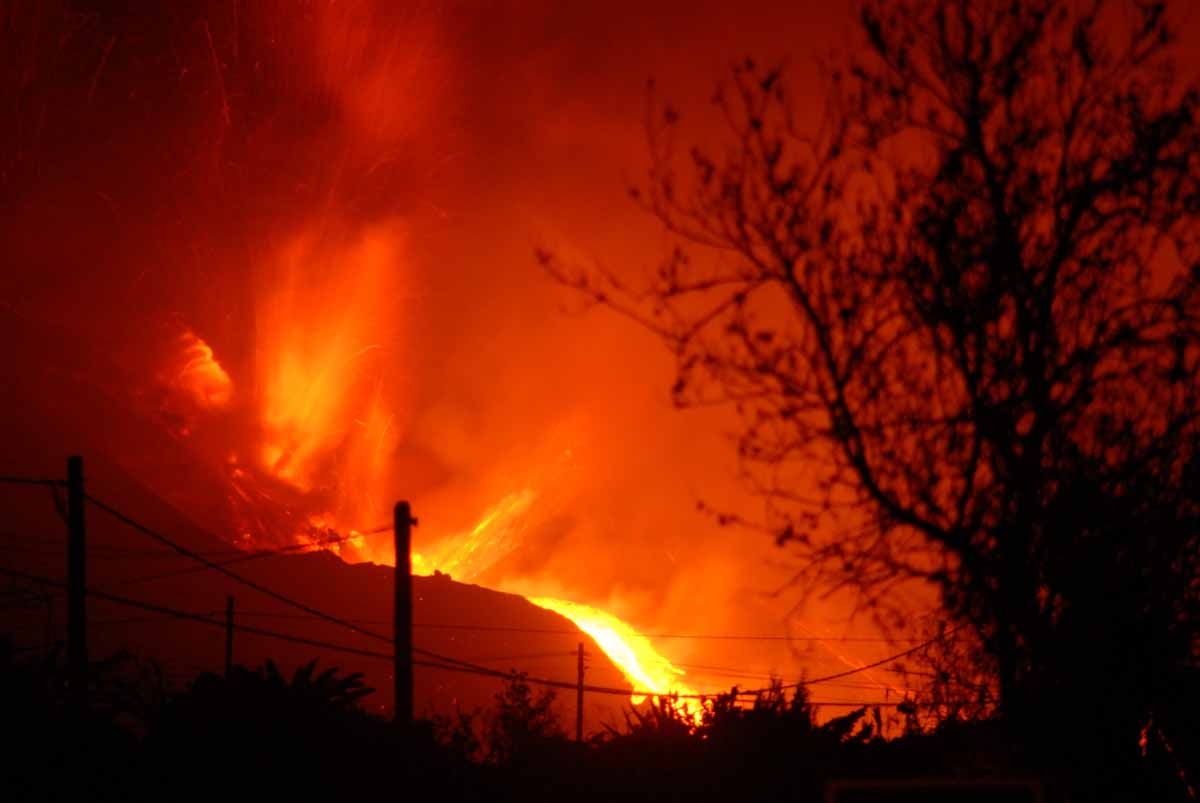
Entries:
{"x":60,"y":402}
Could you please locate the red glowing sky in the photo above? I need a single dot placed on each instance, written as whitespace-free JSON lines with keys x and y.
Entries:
{"x":193,"y":168}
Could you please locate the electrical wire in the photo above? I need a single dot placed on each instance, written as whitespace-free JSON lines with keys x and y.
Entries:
{"x":131,"y":522}
{"x":195,"y":617}
{"x":875,"y":664}
{"x":464,"y":665}
{"x":30,"y":481}
{"x":136,"y":525}
{"x":204,"y":619}
{"x":209,"y":620}
{"x":26,"y":542}
{"x":566,"y":632}
{"x":533,"y":656}
{"x":696,"y":636}
{"x":242,"y":558}
{"x":209,"y":565}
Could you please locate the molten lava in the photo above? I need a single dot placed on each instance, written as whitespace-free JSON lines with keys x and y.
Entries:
{"x":496,"y":534}
{"x":632,"y":652}
{"x":306,"y":431}
{"x":322,"y":395}
{"x":319,"y":466}
{"x":467,"y":555}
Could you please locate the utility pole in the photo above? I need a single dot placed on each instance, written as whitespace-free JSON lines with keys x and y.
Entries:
{"x":228,"y":635}
{"x":579,"y":699}
{"x":402,"y":620}
{"x":77,"y":656}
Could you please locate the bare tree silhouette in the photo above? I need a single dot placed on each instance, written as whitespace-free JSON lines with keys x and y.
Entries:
{"x":959,"y":320}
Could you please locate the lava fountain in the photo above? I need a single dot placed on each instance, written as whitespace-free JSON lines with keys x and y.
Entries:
{"x":305,"y":429}
{"x":326,"y":435}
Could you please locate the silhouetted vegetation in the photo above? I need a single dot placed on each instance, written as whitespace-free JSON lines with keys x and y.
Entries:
{"x":958,"y":314}
{"x":304,"y":736}
{"x":960,"y":319}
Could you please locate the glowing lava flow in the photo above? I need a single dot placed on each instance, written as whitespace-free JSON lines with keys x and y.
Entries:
{"x":498,"y":533}
{"x":305,"y":401}
{"x":468,"y":555}
{"x":632,"y":652}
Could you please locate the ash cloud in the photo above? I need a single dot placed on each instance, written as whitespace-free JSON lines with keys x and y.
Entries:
{"x":161,"y":157}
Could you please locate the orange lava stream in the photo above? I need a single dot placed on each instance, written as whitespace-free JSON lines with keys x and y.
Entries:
{"x":629,"y":650}
{"x":496,"y":534}
{"x":309,"y":394}
{"x":467,"y":555}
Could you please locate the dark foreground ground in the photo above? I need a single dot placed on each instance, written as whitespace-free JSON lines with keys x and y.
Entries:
{"x":264,"y":734}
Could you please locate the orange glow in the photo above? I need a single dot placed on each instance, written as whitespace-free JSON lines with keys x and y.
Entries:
{"x":324,"y":336}
{"x":468,"y":554}
{"x":632,"y":652}
{"x":201,"y":377}
{"x":495,"y":535}
{"x":332,"y":304}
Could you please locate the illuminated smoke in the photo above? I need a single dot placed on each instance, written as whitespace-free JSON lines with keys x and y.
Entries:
{"x":201,"y":376}
{"x":306,"y":237}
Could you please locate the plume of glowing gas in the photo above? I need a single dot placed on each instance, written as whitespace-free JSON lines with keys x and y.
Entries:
{"x":314,"y":128}
{"x":325,"y":342}
{"x":201,"y":376}
{"x":193,"y":384}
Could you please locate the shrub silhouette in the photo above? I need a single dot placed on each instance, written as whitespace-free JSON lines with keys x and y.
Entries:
{"x":523,"y":724}
{"x":279,"y":734}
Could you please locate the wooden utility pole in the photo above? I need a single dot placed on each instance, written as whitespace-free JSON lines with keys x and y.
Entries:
{"x":579,"y":699}
{"x":77,"y":655}
{"x":402,"y":619}
{"x":228,"y":635}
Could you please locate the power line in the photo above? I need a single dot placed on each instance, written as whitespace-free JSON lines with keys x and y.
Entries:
{"x":834,"y":684}
{"x":532,"y":656}
{"x":231,"y":575}
{"x":134,"y":620}
{"x":284,"y":615}
{"x":204,"y":619}
{"x":464,"y":664}
{"x":736,"y":637}
{"x":263,"y":589}
{"x":242,"y":558}
{"x":463,"y":667}
{"x":197,"y":617}
{"x":102,"y":550}
{"x":209,"y":620}
{"x":848,"y":672}
{"x":49,"y":548}
{"x":573,"y":633}
{"x":30,"y":481}
{"x":696,"y":670}
{"x":348,"y":623}
{"x":697,"y":636}
{"x":881,"y":662}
